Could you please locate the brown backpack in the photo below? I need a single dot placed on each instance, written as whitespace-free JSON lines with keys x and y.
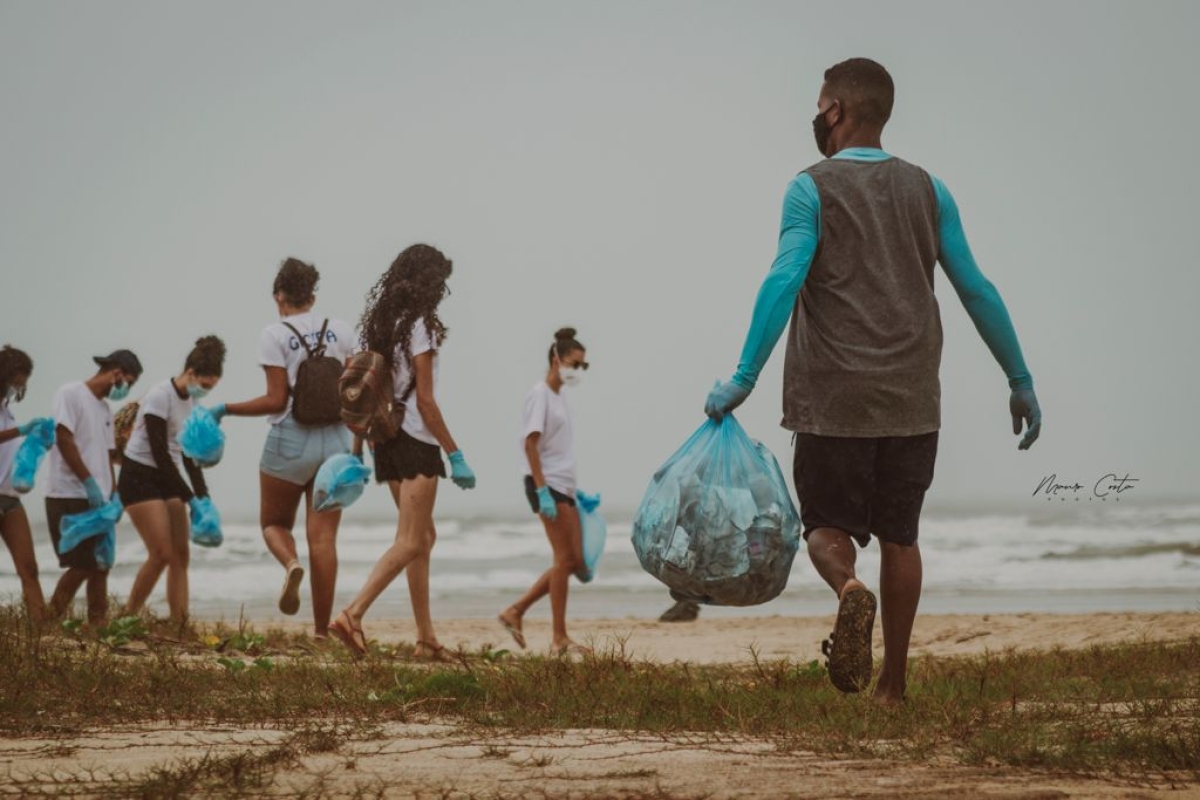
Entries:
{"x":315,"y":396}
{"x":366,"y":389}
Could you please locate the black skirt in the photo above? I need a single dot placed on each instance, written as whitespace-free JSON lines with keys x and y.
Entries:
{"x":402,"y":457}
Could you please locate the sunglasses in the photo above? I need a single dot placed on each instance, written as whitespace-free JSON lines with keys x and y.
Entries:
{"x":583,"y":365}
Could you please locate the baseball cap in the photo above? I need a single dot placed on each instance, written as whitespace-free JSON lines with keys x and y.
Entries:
{"x":125,"y":359}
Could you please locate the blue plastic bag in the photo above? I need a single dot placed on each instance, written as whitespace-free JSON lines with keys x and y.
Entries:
{"x":30,"y":454}
{"x":206,"y":522}
{"x":339,"y":482}
{"x":717,"y":524}
{"x":202,"y":439}
{"x":595,"y":532}
{"x":102,"y":522}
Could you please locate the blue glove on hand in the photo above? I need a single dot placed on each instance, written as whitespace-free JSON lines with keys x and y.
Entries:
{"x":588,"y":502}
{"x":95,"y":495}
{"x":460,"y":473}
{"x":33,"y":423}
{"x":546,"y":505}
{"x":725,"y":397}
{"x":1024,"y":407}
{"x":218,"y":412}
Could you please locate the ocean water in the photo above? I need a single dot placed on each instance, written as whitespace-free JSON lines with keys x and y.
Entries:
{"x":1116,"y":557}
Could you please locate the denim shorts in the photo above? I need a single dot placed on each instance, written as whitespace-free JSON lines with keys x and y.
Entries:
{"x":294,"y":452}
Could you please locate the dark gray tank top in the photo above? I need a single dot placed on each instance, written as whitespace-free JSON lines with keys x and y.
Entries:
{"x":865,"y":341}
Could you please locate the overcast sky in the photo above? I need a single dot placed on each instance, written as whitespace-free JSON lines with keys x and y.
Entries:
{"x":614,"y":166}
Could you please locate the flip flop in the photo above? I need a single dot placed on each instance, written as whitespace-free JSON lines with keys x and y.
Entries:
{"x":349,"y":634}
{"x":849,"y":646}
{"x":513,"y":631}
{"x":289,"y":596}
{"x":571,"y":648}
{"x":427,"y":651}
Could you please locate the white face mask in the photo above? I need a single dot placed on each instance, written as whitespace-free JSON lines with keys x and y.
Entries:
{"x":571,"y":376}
{"x":10,"y":396}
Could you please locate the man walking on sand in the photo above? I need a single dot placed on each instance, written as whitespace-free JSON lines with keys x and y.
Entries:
{"x":861,"y":232}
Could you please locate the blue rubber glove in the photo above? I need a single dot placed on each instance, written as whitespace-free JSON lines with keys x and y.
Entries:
{"x":33,"y":423}
{"x":588,"y":502}
{"x":95,"y":495}
{"x":218,"y":412}
{"x":460,"y":473}
{"x":1024,"y":407}
{"x":546,"y":505}
{"x":725,"y":397}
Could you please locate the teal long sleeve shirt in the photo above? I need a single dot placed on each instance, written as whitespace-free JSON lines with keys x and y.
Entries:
{"x":799,"y":234}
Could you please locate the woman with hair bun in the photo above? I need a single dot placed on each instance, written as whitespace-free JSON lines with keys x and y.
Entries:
{"x":151,"y":484}
{"x":15,"y":368}
{"x":548,"y":450}
{"x":296,"y":449}
{"x":401,"y":321}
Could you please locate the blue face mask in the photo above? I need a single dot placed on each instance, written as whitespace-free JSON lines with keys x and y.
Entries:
{"x":196,"y":391}
{"x":119,"y":391}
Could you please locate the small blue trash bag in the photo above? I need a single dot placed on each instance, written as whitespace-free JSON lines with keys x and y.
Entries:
{"x":102,"y":522}
{"x":206,"y":522}
{"x":202,"y":439}
{"x":339,"y":482}
{"x":717,"y":524}
{"x":30,"y":454}
{"x":595,"y":532}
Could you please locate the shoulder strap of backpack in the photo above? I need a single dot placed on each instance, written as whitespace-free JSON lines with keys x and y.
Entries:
{"x":308,"y":351}
{"x":319,"y":350}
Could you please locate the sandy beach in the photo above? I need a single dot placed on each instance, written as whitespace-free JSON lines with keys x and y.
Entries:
{"x":732,"y":640}
{"x":432,"y":758}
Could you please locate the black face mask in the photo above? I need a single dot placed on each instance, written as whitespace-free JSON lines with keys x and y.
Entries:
{"x":821,"y":131}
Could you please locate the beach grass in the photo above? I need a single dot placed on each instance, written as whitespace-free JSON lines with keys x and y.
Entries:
{"x":1125,"y":709}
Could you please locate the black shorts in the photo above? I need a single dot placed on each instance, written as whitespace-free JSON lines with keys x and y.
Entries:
{"x":9,"y":504}
{"x":139,"y":483}
{"x":531,"y":495}
{"x":83,"y":556}
{"x":402,"y":457}
{"x":868,"y":486}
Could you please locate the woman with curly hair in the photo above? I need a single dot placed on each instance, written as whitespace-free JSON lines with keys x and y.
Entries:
{"x":294,"y":451}
{"x":151,"y":483}
{"x":15,"y":368}
{"x":401,"y":321}
{"x":548,"y":450}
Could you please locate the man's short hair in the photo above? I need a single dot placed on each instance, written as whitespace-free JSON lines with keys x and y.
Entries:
{"x":864,"y":88}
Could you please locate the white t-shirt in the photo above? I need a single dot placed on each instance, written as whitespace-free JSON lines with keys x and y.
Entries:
{"x":164,"y":402}
{"x":89,"y":420}
{"x":546,"y":412}
{"x":279,"y":347}
{"x":8,"y":452}
{"x":420,"y":342}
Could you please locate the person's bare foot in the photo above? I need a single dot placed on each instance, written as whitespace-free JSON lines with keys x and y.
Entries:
{"x":510,"y":618}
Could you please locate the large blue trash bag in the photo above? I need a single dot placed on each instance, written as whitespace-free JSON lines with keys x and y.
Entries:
{"x":717,"y":524}
{"x":339,"y":482}
{"x":102,"y":522}
{"x":30,"y":454}
{"x":594,"y":532}
{"x":206,"y":522}
{"x":202,"y":439}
